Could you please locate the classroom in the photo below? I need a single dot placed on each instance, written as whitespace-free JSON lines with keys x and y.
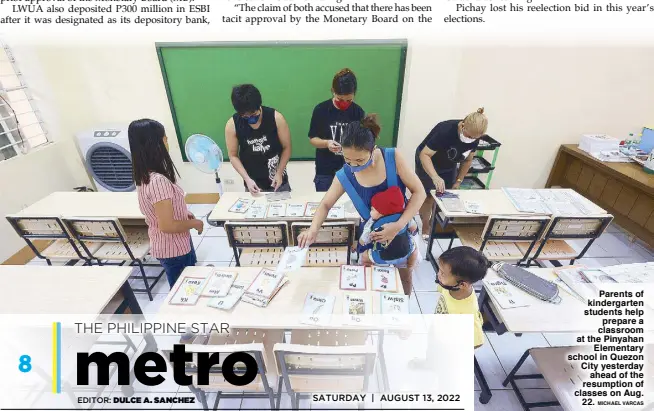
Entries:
{"x":561,"y":185}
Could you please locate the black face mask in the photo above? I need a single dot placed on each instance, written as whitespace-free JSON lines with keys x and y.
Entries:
{"x":449,"y":287}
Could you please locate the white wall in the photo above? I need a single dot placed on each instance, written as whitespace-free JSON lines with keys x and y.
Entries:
{"x":536,"y":98}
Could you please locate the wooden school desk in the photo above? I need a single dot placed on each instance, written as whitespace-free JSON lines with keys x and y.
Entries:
{"x":85,"y":290}
{"x":124,"y":206}
{"x":66,"y":290}
{"x":221,"y":214}
{"x":285,"y":309}
{"x":625,"y":189}
{"x":493,"y":202}
{"x":565,"y":377}
{"x":540,"y":316}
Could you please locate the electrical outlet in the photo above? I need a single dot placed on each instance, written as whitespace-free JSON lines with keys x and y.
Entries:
{"x":229,"y":181}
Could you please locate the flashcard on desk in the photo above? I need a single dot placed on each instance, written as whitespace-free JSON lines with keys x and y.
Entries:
{"x":355,"y":308}
{"x":188,"y":291}
{"x":292,"y":259}
{"x":265,"y":284}
{"x":295,"y":210}
{"x":384,"y":279}
{"x":472,"y":207}
{"x":353,"y":277}
{"x":219,"y":284}
{"x":393,"y":307}
{"x":233,"y":296}
{"x":241,"y":205}
{"x":507,"y":295}
{"x":276,"y":210}
{"x":311,"y":209}
{"x":317,"y":309}
{"x":337,"y":212}
{"x":256,"y":211}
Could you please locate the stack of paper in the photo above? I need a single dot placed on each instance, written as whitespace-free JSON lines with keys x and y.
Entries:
{"x":384,"y":279}
{"x":353,"y":277}
{"x":233,"y":296}
{"x":264,"y":287}
{"x":292,"y":259}
{"x":295,"y":210}
{"x":393,"y":307}
{"x":639,"y":273}
{"x":454,"y":205}
{"x":355,"y":308}
{"x":219,"y":284}
{"x":577,"y":282}
{"x":278,"y":196}
{"x":256,"y":211}
{"x":549,"y":201}
{"x":317,"y":309}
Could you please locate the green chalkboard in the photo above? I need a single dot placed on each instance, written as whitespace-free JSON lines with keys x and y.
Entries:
{"x":292,"y":76}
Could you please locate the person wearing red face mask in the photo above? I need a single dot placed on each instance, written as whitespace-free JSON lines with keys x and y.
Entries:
{"x":327,"y":123}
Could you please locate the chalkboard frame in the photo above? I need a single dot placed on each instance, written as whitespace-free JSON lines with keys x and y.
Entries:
{"x":402,"y":43}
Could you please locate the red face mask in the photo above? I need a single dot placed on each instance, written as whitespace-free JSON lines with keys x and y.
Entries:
{"x":342,"y":105}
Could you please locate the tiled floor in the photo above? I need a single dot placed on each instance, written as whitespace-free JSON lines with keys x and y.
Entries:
{"x":496,"y":358}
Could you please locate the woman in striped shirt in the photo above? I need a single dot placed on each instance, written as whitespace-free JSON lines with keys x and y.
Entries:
{"x":161,"y":200}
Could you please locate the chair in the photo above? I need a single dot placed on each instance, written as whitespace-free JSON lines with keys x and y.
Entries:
{"x":553,"y":245}
{"x":499,"y":238}
{"x":257,"y":343}
{"x":307,"y":369}
{"x":63,"y":248}
{"x":332,"y":245}
{"x":257,"y":244}
{"x":120,"y":244}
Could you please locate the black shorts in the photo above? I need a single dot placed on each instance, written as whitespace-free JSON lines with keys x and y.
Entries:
{"x":449,"y":176}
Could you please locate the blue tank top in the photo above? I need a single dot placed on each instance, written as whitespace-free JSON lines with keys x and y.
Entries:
{"x":366,"y":194}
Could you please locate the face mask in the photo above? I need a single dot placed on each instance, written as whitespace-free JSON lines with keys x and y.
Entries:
{"x":342,"y":105}
{"x":449,"y":287}
{"x":466,"y":140}
{"x":253,"y":119}
{"x":356,"y":169}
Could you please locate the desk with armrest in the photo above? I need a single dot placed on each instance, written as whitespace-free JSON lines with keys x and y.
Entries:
{"x":504,"y":233}
{"x":221,"y":213}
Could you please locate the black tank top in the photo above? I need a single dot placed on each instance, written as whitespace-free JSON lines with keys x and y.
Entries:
{"x":260,"y":150}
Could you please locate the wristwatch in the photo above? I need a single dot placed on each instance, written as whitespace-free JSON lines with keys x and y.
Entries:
{"x":459,"y":180}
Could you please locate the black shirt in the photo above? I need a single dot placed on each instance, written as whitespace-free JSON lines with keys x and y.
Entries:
{"x":260,"y":150}
{"x":445,"y":141}
{"x":327,"y":123}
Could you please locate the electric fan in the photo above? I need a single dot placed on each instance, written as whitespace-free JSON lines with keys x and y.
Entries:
{"x":205,"y":154}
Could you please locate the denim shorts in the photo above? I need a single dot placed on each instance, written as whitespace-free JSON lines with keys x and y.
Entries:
{"x":175,"y":265}
{"x":323,"y":182}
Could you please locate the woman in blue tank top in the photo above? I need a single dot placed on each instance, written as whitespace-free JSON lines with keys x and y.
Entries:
{"x":365,"y":168}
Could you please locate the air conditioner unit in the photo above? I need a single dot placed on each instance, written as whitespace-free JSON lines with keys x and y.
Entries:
{"x":105,"y":152}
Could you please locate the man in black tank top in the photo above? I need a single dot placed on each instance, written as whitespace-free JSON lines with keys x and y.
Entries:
{"x":258,"y":142}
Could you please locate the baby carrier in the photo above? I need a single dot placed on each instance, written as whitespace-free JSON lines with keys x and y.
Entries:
{"x":400,"y":248}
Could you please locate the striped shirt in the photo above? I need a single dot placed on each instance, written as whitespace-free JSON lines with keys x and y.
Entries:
{"x":164,"y":245}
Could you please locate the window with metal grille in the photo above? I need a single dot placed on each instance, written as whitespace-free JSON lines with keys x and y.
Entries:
{"x":21,"y":126}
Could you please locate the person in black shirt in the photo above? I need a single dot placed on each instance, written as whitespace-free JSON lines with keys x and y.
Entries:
{"x":445,"y":156}
{"x":327,"y":123}
{"x":258,"y":142}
